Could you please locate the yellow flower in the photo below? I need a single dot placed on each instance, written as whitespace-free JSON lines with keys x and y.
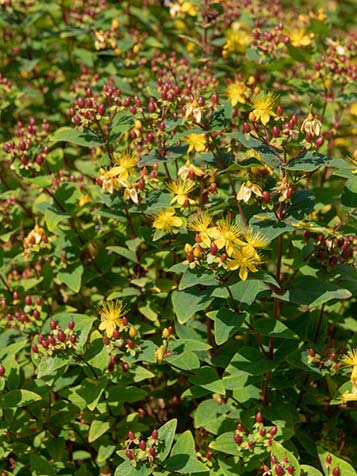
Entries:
{"x":256,"y":239}
{"x":189,"y":8}
{"x":245,"y":192}
{"x":264,"y":105}
{"x":181,"y":188}
{"x":166,"y":220}
{"x":196,"y":142}
{"x":227,"y":234}
{"x":127,"y":160}
{"x":194,"y":109}
{"x":113,"y":179}
{"x":111,"y":313}
{"x":298,"y":37}
{"x":245,"y":259}
{"x":237,"y":39}
{"x":200,"y":223}
{"x":311,"y":125}
{"x":188,"y":168}
{"x":34,"y":237}
{"x":350,"y":359}
{"x":235,"y":93}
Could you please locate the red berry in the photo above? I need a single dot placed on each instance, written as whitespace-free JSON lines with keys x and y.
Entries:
{"x":124,"y":321}
{"x":213,"y":250}
{"x":246,"y":128}
{"x":28,"y":300}
{"x":328,"y":459}
{"x":259,"y":417}
{"x":336,"y":471}
{"x":2,"y":370}
{"x":15,"y":295}
{"x":274,"y":459}
{"x":129,"y":454}
{"x":263,"y":432}
{"x":266,"y":196}
{"x":61,"y":336}
{"x":36,"y":314}
{"x":308,"y":137}
{"x":73,"y":339}
{"x":152,"y":452}
{"x":290,"y":469}
{"x":71,"y":325}
{"x":142,"y":445}
{"x":279,"y":470}
{"x":240,"y":427}
{"x":116,"y":334}
{"x":105,"y":340}
{"x":237,"y":438}
{"x":34,"y":348}
{"x":127,"y":102}
{"x":319,"y":141}
{"x":154,"y":434}
{"x":131,"y":435}
{"x":125,"y":367}
{"x":212,"y":187}
{"x":275,"y":131}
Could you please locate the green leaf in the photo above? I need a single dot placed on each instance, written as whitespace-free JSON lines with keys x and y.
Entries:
{"x":186,"y":303}
{"x":226,"y":324}
{"x":346,"y":387}
{"x":349,"y":194}
{"x":208,"y":378}
{"x":88,"y":393}
{"x":119,"y":394}
{"x":192,"y":277}
{"x":272,"y":328}
{"x":97,"y":429}
{"x":269,"y":154}
{"x":40,"y":466}
{"x":83,"y":138}
{"x":72,"y":276}
{"x":53,"y":217}
{"x":166,"y":437}
{"x":127,"y":469}
{"x":121,"y":123}
{"x":345,"y":468}
{"x":251,"y":361}
{"x":225,"y":444}
{"x":245,"y":292}
{"x":308,"y":162}
{"x":104,"y":452}
{"x":313,"y":292}
{"x":183,"y":458}
{"x":49,"y":364}
{"x":18,"y":398}
{"x":307,"y":470}
{"x":184,"y":361}
{"x":125,"y":252}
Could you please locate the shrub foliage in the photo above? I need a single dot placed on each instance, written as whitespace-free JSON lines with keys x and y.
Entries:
{"x":178,"y":202}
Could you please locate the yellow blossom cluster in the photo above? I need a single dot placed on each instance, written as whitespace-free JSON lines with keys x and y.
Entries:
{"x":118,"y":177}
{"x":227,"y":236}
{"x":350,"y":360}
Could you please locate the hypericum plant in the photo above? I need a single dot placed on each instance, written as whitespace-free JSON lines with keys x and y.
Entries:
{"x":177,"y":238}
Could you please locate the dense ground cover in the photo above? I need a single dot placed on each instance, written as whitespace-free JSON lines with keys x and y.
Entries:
{"x":178,"y":201}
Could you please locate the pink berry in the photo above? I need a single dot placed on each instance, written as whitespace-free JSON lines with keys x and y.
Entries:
{"x":279,"y":470}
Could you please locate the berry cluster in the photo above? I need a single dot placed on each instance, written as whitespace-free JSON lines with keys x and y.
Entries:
{"x":281,"y":468}
{"x":21,"y":314}
{"x":138,"y":449}
{"x":57,"y":339}
{"x":260,"y":435}
{"x":331,"y":251}
{"x":27,"y":147}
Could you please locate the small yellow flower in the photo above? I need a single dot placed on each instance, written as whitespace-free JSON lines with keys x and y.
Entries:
{"x":246,"y":259}
{"x":264,"y":105}
{"x":186,"y":169}
{"x":194,"y":109}
{"x":196,"y":142}
{"x":127,"y":160}
{"x":181,"y":188}
{"x":34,"y":237}
{"x":111,"y":313}
{"x":299,"y":37}
{"x":114,"y":178}
{"x":227,"y":234}
{"x":350,"y":359}
{"x":311,"y":125}
{"x":166,"y":220}
{"x":256,"y":239}
{"x":236,"y":93}
{"x":200,"y":223}
{"x":246,"y":190}
{"x":238,"y":38}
